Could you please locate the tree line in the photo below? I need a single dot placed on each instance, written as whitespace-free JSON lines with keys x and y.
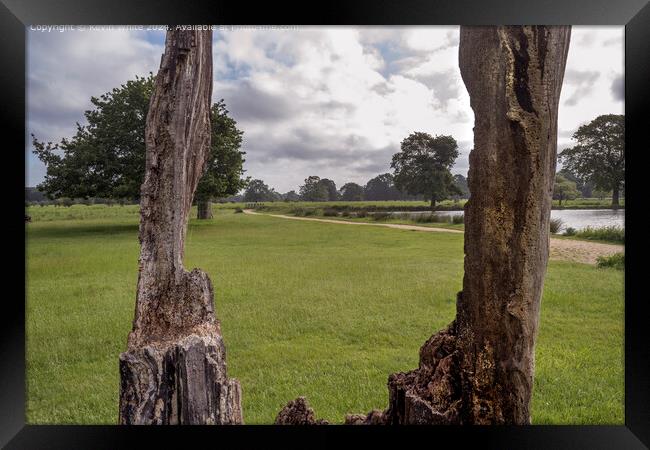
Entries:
{"x":316,"y":189}
{"x":104,"y":162}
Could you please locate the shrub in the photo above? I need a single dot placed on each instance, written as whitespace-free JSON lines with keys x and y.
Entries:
{"x":611,"y":234}
{"x":362,"y":213}
{"x":312,"y":212}
{"x":556,"y":225}
{"x":458,"y":218}
{"x":238,"y":210}
{"x":381,"y":216}
{"x":615,"y":261}
{"x":430,"y":218}
{"x":345,"y":213}
{"x":330,"y":212}
{"x":570,"y":231}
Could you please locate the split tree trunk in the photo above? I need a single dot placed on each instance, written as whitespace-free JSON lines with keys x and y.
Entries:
{"x":174,"y":370}
{"x":204,"y":209}
{"x":479,"y":370}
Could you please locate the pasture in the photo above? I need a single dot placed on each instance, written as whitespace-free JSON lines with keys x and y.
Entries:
{"x":315,"y":309}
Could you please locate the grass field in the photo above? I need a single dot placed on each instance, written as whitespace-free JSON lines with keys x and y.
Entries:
{"x":307,"y":308}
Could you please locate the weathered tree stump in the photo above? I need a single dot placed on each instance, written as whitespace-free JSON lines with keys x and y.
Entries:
{"x":479,"y":370}
{"x":174,"y":371}
{"x":298,"y":412}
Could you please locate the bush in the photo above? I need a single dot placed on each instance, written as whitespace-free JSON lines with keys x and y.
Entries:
{"x":345,"y":213}
{"x":238,"y":210}
{"x":362,"y":213}
{"x":330,"y":212}
{"x":381,"y":216}
{"x":570,"y":231}
{"x":430,"y":218}
{"x":615,"y":261}
{"x":611,"y":234}
{"x":458,"y":218}
{"x":556,"y":225}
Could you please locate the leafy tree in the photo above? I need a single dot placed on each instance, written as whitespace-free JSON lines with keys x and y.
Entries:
{"x":461,"y":183}
{"x":291,"y":196}
{"x":314,"y":190}
{"x":586,"y":189}
{"x":351,"y":192}
{"x":423,"y":166}
{"x":601,"y":194}
{"x":564,"y":189}
{"x":106,"y":157}
{"x":224,"y":169}
{"x":382,"y":187}
{"x":332,"y":193}
{"x":258,"y":191}
{"x":599,"y":155}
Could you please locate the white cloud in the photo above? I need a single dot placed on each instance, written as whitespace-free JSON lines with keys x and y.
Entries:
{"x":329,"y":101}
{"x":65,"y":69}
{"x":595,"y":59}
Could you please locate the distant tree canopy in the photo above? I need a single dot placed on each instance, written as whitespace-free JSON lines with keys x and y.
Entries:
{"x":225,"y":167}
{"x":462,"y":186}
{"x":423,"y":166}
{"x":332,"y":193}
{"x":599,"y":156}
{"x":258,"y":191}
{"x":382,"y":187}
{"x":33,"y":195}
{"x":315,"y":189}
{"x":585,"y":188}
{"x":106,"y":157}
{"x":291,"y":196}
{"x":564,"y":189}
{"x":352,"y":192}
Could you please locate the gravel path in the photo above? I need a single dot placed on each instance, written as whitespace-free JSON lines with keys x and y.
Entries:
{"x":562,"y":249}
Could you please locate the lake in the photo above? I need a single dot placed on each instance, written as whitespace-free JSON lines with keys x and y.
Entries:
{"x":574,"y":218}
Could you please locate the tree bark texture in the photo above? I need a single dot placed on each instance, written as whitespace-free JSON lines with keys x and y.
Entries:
{"x":479,"y":370}
{"x":174,"y":370}
{"x":204,"y":209}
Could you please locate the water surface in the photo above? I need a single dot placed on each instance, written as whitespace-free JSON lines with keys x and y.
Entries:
{"x":574,"y":218}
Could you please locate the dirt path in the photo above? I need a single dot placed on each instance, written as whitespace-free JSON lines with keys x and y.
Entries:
{"x":562,"y":249}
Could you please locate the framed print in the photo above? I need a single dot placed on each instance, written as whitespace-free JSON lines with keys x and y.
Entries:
{"x":191,"y":195}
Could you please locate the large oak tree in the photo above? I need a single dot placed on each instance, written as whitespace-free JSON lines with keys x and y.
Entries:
{"x":599,"y":155}
{"x":423,"y":166}
{"x":106,"y":156}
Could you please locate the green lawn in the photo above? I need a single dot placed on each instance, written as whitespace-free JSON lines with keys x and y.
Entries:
{"x":321,"y":310}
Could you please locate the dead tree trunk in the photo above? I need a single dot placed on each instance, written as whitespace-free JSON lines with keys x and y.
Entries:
{"x":204,"y":209}
{"x":174,"y":370}
{"x":480,"y":369}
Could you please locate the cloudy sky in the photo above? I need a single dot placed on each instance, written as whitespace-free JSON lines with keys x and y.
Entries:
{"x":329,"y":101}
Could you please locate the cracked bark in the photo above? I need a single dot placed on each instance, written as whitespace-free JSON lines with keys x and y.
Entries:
{"x":479,"y":370}
{"x":174,"y":370}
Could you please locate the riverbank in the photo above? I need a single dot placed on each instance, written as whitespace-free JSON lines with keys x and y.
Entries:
{"x":575,"y":250}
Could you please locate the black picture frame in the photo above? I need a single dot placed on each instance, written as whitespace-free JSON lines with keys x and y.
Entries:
{"x":15,"y":15}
